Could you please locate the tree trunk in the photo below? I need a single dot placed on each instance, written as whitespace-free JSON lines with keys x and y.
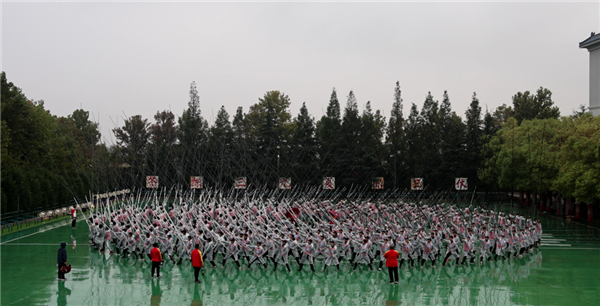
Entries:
{"x":590,"y":208}
{"x":549,"y":203}
{"x":521,"y":198}
{"x":577,"y":211}
{"x":527,"y":200}
{"x":558,"y":206}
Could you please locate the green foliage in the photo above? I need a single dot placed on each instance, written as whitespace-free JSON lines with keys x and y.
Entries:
{"x":452,"y":144}
{"x":161,"y":147}
{"x":220,"y":147}
{"x":474,"y":132}
{"x":329,"y":138}
{"x":192,"y":127}
{"x":305,"y":166}
{"x":528,"y":106}
{"x":270,"y":120}
{"x":396,"y":140}
{"x":578,"y":165}
{"x":133,"y":136}
{"x":47,"y":160}
{"x":192,"y":134}
{"x":43,"y":156}
{"x":546,"y":156}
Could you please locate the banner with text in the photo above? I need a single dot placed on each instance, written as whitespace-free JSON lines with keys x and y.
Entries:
{"x":152,"y":181}
{"x":329,"y":182}
{"x":196,"y":182}
{"x":240,"y":183}
{"x":460,"y":183}
{"x":285,"y":183}
{"x":416,"y":183}
{"x":377,"y":183}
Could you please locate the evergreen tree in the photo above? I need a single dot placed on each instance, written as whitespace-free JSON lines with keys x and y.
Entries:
{"x":372,"y":152}
{"x":528,"y":106}
{"x":305,"y":165}
{"x":220,"y":148}
{"x":242,"y":145}
{"x":430,"y":137}
{"x":452,"y":138}
{"x":351,"y":146}
{"x":414,"y":143}
{"x":192,"y":138}
{"x":271,"y":124}
{"x":473,"y":138}
{"x":395,"y":138}
{"x":89,"y":132}
{"x":162,"y":153}
{"x":133,"y":139}
{"x":329,"y":140}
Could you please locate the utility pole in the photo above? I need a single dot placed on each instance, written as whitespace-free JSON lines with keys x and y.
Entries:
{"x":278,"y":147}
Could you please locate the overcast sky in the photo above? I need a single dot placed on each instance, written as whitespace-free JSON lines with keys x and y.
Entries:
{"x":123,"y":59}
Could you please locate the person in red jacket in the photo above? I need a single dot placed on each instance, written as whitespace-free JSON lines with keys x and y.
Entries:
{"x":156,"y":260}
{"x":197,"y":261}
{"x":73,"y":216}
{"x":391,"y":261}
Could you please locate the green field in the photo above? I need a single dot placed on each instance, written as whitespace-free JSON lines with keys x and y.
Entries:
{"x":564,"y":271}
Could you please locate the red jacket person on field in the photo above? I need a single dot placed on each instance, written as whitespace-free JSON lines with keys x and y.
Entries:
{"x":391,"y":261}
{"x":197,"y":261}
{"x":156,"y":260}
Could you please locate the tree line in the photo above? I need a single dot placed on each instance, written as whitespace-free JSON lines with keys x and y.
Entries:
{"x":48,"y":159}
{"x":45,"y":158}
{"x":549,"y":157}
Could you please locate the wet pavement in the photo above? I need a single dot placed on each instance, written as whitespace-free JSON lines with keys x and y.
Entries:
{"x":564,"y":271}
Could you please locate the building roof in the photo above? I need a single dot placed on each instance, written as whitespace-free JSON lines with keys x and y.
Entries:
{"x":591,"y":42}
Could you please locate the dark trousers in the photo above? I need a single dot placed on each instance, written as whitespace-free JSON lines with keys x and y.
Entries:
{"x":393,"y":272}
{"x":156,"y":266}
{"x":60,"y":274}
{"x":196,"y":272}
{"x":73,"y":222}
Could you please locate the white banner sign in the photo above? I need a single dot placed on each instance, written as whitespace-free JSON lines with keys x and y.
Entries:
{"x":377,"y":183}
{"x":240,"y":183}
{"x":151,"y":181}
{"x":196,"y":182}
{"x":416,"y":183}
{"x":460,"y":183}
{"x":329,"y":182}
{"x":285,"y":183}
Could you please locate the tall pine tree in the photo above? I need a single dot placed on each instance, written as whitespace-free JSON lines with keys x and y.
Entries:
{"x":396,"y":140}
{"x":329,"y":140}
{"x":473,"y":138}
{"x":192,"y":138}
{"x":351,"y":145}
{"x":305,"y":166}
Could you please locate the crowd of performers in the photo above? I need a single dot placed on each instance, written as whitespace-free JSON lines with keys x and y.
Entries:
{"x":268,"y":232}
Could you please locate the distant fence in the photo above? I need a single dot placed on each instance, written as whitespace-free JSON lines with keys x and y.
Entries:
{"x":17,"y":220}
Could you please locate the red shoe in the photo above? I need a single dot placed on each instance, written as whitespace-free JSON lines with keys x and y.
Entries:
{"x":111,"y":252}
{"x":101,"y":251}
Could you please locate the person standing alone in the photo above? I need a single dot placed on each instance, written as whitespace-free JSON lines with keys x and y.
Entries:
{"x":62,"y":260}
{"x":197,"y":261}
{"x":391,"y":262}
{"x":156,"y":260}
{"x":73,"y":216}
